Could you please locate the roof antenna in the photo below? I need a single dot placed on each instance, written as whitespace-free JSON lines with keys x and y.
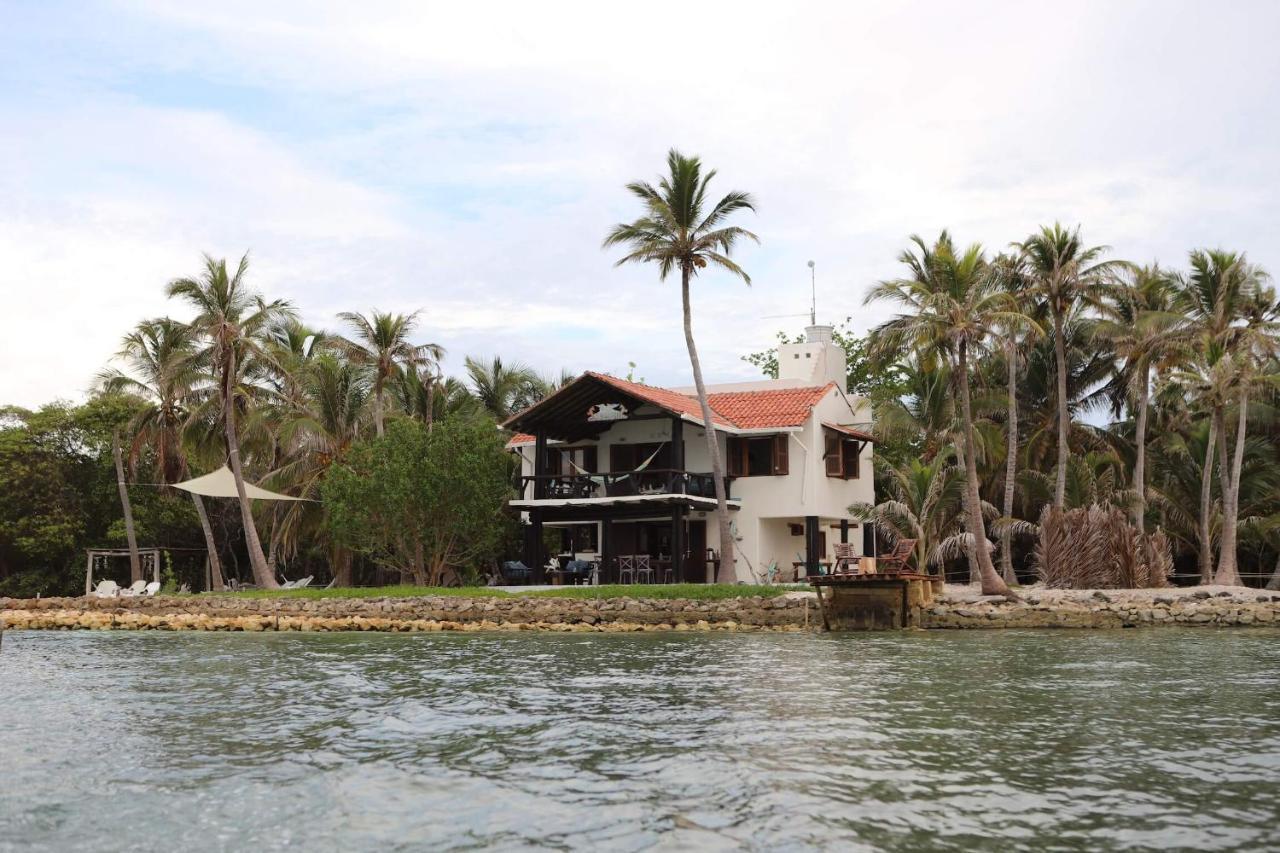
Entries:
{"x":813,"y":292}
{"x":813,"y":301}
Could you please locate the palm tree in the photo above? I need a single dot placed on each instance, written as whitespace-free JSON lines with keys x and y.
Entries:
{"x":503,"y":389}
{"x":382,"y":341}
{"x":316,"y":430}
{"x":232,"y":321}
{"x":1012,"y":274}
{"x":158,"y":355}
{"x":1139,"y":321}
{"x":675,"y":234}
{"x":925,"y":503}
{"x":954,"y":304}
{"x":1064,"y":273}
{"x":1231,"y":321}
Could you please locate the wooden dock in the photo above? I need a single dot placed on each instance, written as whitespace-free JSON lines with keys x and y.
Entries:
{"x":872,"y":601}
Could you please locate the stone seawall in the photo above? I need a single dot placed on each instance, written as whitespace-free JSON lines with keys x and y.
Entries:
{"x":795,"y":611}
{"x":425,"y":613}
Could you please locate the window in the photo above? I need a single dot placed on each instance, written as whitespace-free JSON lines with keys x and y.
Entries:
{"x":842,"y":455}
{"x":629,"y":457}
{"x":563,"y":460}
{"x":758,"y":457}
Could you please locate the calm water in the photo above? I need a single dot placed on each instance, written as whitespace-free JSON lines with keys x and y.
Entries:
{"x":1021,"y":740}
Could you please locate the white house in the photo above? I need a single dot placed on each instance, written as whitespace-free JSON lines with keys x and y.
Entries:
{"x":620,"y":469}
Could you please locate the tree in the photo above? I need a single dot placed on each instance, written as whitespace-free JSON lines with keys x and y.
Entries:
{"x":675,"y":235}
{"x":1010,"y":271}
{"x":231,"y":320}
{"x":382,"y":341}
{"x":954,"y":304}
{"x":1064,"y":272}
{"x":926,"y":503}
{"x":503,"y":388}
{"x":422,"y":502}
{"x":160,"y":371}
{"x":1231,"y":323}
{"x":1139,"y":322}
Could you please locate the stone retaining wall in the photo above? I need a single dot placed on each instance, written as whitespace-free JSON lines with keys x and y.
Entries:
{"x":425,"y":613}
{"x":792,"y":612}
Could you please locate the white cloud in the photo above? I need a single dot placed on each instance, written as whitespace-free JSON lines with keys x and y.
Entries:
{"x":468,"y":160}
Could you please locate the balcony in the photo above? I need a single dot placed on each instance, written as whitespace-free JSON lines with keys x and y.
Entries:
{"x":618,"y":484}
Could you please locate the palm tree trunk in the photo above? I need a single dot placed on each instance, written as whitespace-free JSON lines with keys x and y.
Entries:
{"x":215,"y":564}
{"x":431,"y":402}
{"x":1274,"y":583}
{"x":135,"y":563}
{"x":261,"y":574}
{"x":728,"y":571}
{"x":377,"y":407}
{"x":975,"y":576}
{"x":1064,"y":417}
{"x":1010,"y":467}
{"x":1228,"y":566}
{"x":992,"y":584}
{"x":1140,"y":463}
{"x":1206,"y":506}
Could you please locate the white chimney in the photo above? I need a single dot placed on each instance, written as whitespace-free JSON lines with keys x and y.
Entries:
{"x":817,"y":361}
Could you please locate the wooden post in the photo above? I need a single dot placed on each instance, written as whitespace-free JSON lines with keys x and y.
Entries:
{"x":606,"y":548}
{"x":844,"y":531}
{"x":677,"y":544}
{"x":88,"y":575}
{"x":535,"y":520}
{"x":811,"y":567}
{"x":677,"y":451}
{"x":539,"y":466}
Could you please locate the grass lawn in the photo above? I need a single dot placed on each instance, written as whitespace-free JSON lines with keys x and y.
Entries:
{"x":696,"y":591}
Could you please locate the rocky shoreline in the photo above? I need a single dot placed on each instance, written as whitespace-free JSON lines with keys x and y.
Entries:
{"x":958,"y":608}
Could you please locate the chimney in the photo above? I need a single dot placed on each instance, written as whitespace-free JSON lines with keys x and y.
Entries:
{"x":817,"y":361}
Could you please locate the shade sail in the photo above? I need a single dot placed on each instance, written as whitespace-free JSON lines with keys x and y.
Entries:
{"x":222,"y":484}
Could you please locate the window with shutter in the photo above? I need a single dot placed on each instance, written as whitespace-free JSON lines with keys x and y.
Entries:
{"x":737,"y":451}
{"x":831,"y":453}
{"x":851,"y":458}
{"x":780,"y":443}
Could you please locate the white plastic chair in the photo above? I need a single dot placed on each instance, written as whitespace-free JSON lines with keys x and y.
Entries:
{"x":151,"y":588}
{"x":106,"y":589}
{"x":136,"y":588}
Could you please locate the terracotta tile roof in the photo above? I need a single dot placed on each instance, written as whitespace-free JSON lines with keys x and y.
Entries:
{"x":672,"y":401}
{"x":520,"y":438}
{"x":851,"y":431}
{"x":784,"y":407}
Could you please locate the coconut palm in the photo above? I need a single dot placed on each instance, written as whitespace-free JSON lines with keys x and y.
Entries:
{"x":680,"y":234}
{"x":1064,"y":273}
{"x":157,"y":356}
{"x":503,"y":388}
{"x":231,"y":322}
{"x":1231,"y":326}
{"x":926,"y":503}
{"x":382,"y":341}
{"x":954,"y":303}
{"x":1139,"y":322}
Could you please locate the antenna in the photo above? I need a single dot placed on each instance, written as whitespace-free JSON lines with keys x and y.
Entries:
{"x":813,"y":294}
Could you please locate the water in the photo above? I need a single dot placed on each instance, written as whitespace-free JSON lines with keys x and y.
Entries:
{"x":1159,"y":739}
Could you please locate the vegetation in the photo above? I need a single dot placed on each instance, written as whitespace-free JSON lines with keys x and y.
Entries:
{"x":678,"y":234}
{"x":1000,"y":374}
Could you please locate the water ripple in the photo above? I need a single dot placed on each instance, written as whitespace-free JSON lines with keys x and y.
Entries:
{"x":994,"y":741}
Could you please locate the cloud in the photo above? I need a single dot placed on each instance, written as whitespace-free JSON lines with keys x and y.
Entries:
{"x":468,"y":160}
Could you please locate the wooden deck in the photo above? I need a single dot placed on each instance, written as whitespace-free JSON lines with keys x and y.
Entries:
{"x":862,"y":602}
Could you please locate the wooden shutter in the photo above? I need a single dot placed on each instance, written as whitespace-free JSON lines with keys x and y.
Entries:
{"x":831,"y":454}
{"x":589,"y":459}
{"x":780,"y":443}
{"x":736,"y":449}
{"x":853,"y":459}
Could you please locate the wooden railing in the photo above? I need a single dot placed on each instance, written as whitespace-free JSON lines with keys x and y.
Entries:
{"x":650,"y":481}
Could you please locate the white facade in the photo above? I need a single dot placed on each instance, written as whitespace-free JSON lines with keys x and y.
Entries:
{"x":770,"y":509}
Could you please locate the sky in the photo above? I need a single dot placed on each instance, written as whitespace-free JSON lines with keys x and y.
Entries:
{"x":467,"y":159}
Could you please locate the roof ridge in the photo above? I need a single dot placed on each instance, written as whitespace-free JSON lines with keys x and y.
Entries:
{"x":775,"y":390}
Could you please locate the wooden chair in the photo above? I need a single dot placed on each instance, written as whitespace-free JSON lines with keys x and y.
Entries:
{"x":644,"y":569}
{"x":846,"y":559}
{"x":895,"y":562}
{"x":626,"y":569}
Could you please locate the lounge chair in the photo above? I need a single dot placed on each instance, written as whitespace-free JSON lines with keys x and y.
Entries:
{"x":896,"y":560}
{"x":151,"y":588}
{"x":106,"y":589}
{"x":135,"y":589}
